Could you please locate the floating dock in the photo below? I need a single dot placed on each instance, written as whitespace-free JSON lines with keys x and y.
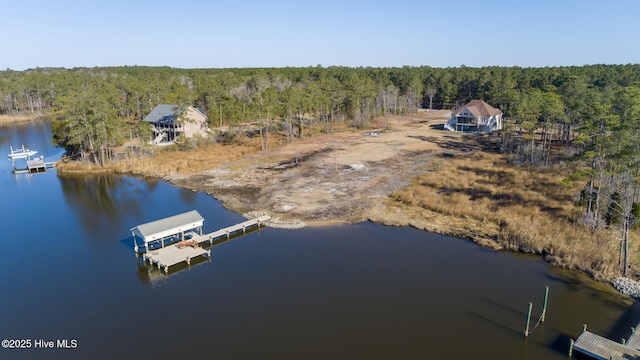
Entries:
{"x":187,"y":228}
{"x":599,"y":347}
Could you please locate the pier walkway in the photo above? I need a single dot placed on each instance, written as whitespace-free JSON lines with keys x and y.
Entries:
{"x":599,"y":347}
{"x":186,"y":250}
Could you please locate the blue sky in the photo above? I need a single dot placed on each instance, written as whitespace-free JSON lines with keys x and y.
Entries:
{"x":279,"y":33}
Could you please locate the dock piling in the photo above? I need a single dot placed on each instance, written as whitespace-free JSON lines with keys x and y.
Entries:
{"x":571,"y":342}
{"x":544,"y":306}
{"x":526,"y":329}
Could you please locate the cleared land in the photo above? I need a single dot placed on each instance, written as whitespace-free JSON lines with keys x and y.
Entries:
{"x":329,"y":178}
{"x":414,"y":173}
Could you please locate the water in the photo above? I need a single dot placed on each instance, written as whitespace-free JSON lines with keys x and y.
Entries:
{"x":68,"y":272}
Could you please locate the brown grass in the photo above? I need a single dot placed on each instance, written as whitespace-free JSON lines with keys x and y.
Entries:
{"x":467,"y":190}
{"x":6,"y":119}
{"x":529,"y":209}
{"x":168,"y":161}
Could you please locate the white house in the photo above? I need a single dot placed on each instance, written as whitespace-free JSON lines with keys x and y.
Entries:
{"x":172,"y":121}
{"x":475,"y":116}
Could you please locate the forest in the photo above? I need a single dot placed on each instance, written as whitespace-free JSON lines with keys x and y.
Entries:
{"x":588,"y":116}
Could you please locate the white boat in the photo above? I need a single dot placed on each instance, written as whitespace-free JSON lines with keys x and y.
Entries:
{"x":21,"y":153}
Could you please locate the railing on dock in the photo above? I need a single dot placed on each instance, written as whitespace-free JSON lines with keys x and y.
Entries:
{"x":599,"y":347}
{"x":171,"y":255}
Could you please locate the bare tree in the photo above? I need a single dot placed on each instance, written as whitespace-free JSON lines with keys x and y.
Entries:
{"x":431,"y":92}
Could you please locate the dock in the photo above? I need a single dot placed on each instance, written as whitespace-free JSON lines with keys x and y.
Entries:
{"x":599,"y":347}
{"x":36,"y":165}
{"x":172,"y":255}
{"x":187,"y":228}
{"x":237,"y":227}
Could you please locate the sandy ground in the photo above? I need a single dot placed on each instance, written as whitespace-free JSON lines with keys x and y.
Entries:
{"x":335,"y":178}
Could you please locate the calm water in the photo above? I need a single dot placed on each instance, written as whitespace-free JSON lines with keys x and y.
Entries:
{"x":364,"y":291}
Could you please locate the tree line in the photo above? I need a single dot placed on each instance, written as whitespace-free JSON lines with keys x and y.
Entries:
{"x":589,"y":115}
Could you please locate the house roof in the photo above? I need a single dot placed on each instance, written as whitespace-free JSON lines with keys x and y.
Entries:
{"x":163,"y":113}
{"x":168,"y":226}
{"x":478,"y":108}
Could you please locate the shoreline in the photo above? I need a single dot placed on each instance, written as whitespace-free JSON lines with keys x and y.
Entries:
{"x":621,"y":284}
{"x":344,"y":178}
{"x":19,"y":119}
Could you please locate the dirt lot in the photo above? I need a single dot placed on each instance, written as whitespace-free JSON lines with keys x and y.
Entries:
{"x":333,"y":178}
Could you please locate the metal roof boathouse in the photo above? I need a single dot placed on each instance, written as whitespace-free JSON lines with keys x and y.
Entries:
{"x":178,"y":238}
{"x":166,"y":228}
{"x":170,"y":230}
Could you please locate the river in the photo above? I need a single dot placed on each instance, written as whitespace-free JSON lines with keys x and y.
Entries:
{"x":69,"y":275}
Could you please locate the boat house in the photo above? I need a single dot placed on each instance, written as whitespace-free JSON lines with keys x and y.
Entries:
{"x":178,"y":238}
{"x":167,"y":230}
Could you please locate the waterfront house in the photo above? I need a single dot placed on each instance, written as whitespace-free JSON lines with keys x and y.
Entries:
{"x":172,"y":121}
{"x":475,"y":116}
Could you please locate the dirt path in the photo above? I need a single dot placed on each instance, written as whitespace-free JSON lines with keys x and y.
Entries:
{"x":332,"y":178}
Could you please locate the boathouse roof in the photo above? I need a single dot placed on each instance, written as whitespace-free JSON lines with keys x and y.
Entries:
{"x":169,"y":226}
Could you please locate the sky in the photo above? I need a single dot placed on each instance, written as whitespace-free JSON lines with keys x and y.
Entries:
{"x":353,"y":33}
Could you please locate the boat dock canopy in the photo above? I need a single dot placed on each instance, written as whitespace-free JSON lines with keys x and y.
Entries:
{"x":159,"y":229}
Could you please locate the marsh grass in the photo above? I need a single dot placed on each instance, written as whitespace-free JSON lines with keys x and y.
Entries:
{"x":161,"y":162}
{"x":532,"y":211}
{"x":7,"y":120}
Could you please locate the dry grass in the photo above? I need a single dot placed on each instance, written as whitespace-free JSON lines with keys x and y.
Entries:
{"x":467,"y":190}
{"x":6,"y":119}
{"x":165,"y":161}
{"x":529,"y":209}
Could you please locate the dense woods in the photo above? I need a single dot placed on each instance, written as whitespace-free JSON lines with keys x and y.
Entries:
{"x":586,"y":115}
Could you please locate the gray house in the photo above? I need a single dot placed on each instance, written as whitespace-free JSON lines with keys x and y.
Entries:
{"x":172,"y":121}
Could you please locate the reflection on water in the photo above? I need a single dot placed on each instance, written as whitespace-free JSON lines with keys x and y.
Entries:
{"x":67,"y":270}
{"x":152,"y":274}
{"x":99,"y":201}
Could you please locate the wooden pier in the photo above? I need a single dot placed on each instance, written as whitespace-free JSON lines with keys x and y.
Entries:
{"x":171,"y":255}
{"x":186,"y":250}
{"x":599,"y":347}
{"x":38,"y":165}
{"x":237,"y":227}
{"x":33,"y":166}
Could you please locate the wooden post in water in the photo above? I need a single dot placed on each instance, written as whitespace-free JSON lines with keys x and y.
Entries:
{"x":526,"y":329}
{"x":571,"y":347}
{"x":544,"y":306}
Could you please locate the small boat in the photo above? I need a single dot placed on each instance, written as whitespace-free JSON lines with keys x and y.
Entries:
{"x":21,"y":153}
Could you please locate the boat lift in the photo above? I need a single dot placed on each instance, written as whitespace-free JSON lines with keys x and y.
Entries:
{"x":33,"y":165}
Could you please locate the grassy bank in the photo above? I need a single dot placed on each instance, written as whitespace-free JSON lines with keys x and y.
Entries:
{"x":523,"y":209}
{"x":458,"y":185}
{"x":10,"y":120}
{"x":160,"y":162}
